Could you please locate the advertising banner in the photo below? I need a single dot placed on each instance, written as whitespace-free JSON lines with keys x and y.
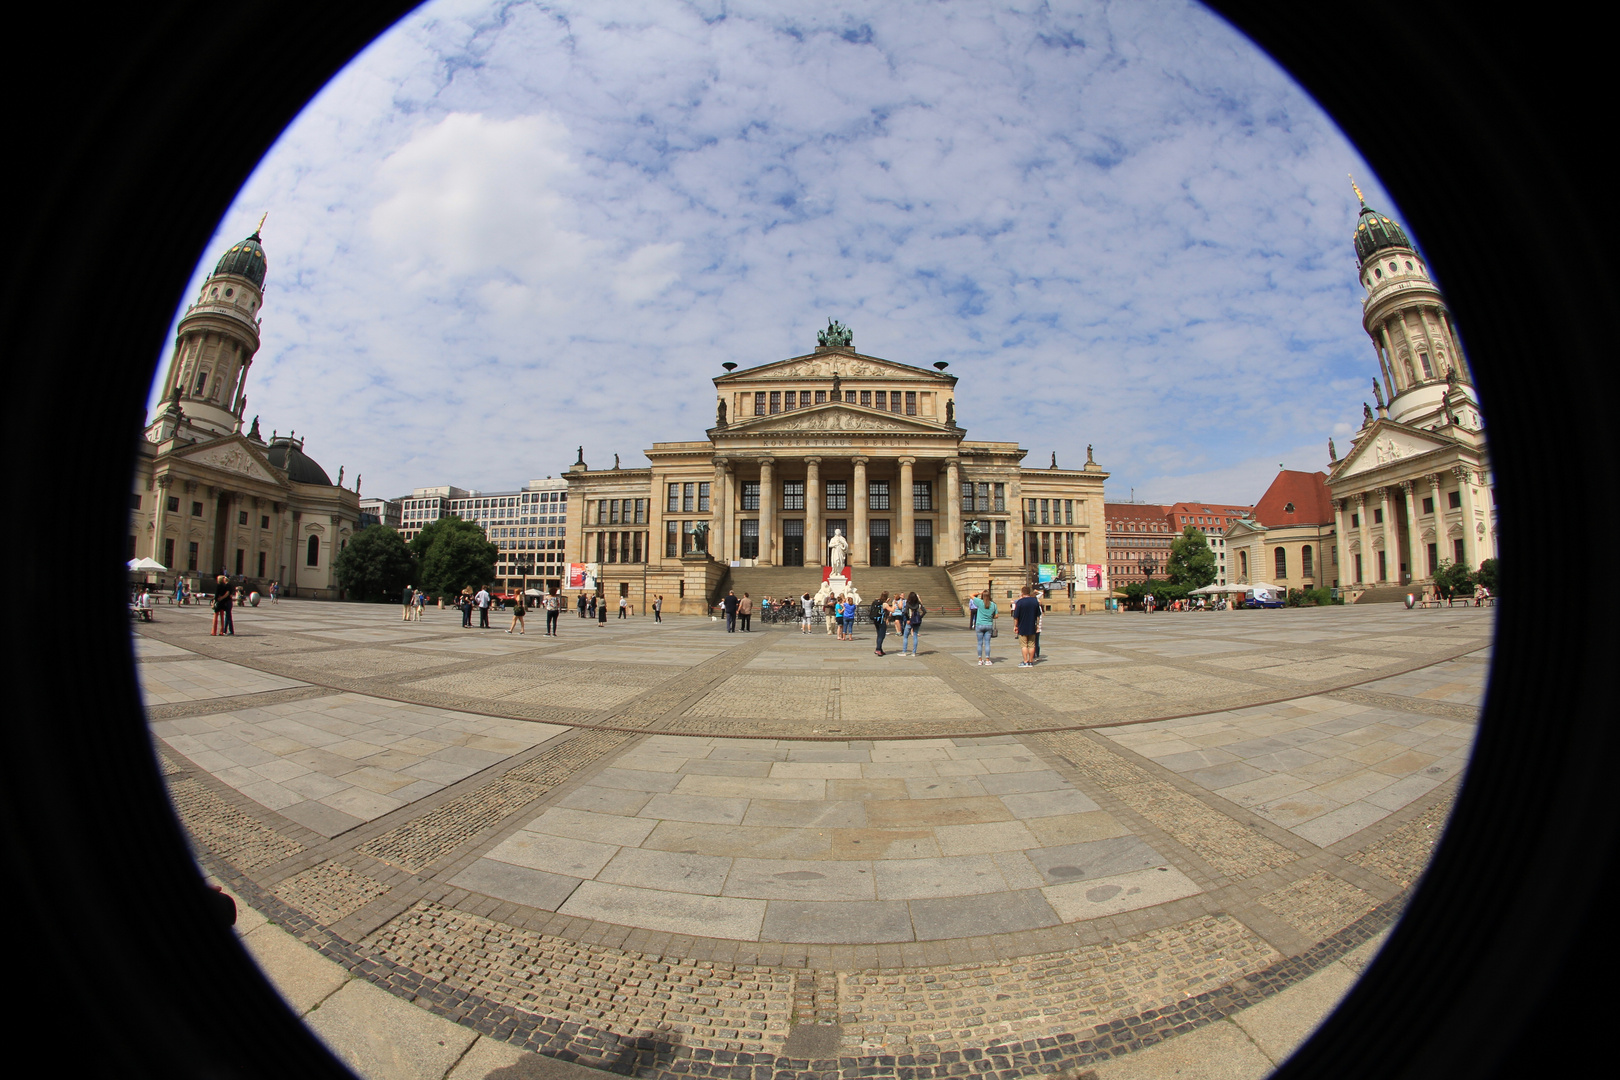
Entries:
{"x":1091,"y":576}
{"x":1046,"y":573}
{"x":580,"y":576}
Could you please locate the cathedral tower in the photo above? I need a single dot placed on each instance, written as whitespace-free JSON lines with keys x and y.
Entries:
{"x":1425,"y":381}
{"x":217,"y":339}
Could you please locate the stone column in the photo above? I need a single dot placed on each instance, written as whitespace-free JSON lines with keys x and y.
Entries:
{"x":1364,"y":534}
{"x":953,"y":513}
{"x":859,"y":546}
{"x":1341,"y":542}
{"x":717,"y":509}
{"x":767,"y":511}
{"x":1412,"y":532}
{"x":160,"y":487}
{"x":1441,"y":543}
{"x":1392,"y":544}
{"x":1465,"y":483}
{"x":815,"y":547}
{"x":904,"y":546}
{"x":733,"y":515}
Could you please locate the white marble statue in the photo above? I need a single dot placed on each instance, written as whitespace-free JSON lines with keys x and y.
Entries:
{"x":840,"y":551}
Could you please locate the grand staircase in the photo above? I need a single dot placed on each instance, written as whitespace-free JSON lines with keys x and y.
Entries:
{"x":931,"y":583}
{"x":1388,"y":594}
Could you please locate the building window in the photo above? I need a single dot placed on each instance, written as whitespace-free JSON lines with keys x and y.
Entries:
{"x":750,"y":495}
{"x":671,"y":539}
{"x":837,"y":495}
{"x":759,"y":404}
{"x":688,"y":537}
{"x":173,"y":504}
{"x":261,"y":564}
{"x":1046,"y":515}
{"x":1001,"y":538}
{"x":312,"y":555}
{"x":922,"y":495}
{"x":866,"y":398}
{"x":1068,"y":511}
{"x":776,"y":401}
{"x":793,"y":495}
{"x":1458,"y":554}
{"x":688,"y":498}
{"x":703,"y":498}
{"x":613,"y":547}
{"x":613,"y":512}
{"x":264,"y":521}
{"x":1383,"y":566}
{"x":1031,"y":514}
{"x":877,"y":495}
{"x":241,"y":561}
{"x":967,"y":496}
{"x":1434,"y":558}
{"x":1001,"y":498}
{"x":1281,"y":558}
{"x":134,"y":502}
{"x":894,"y":401}
{"x":674,"y":498}
{"x":196,"y":509}
{"x":191,"y":556}
{"x":981,"y":502}
{"x":641,"y":511}
{"x":1355,"y":521}
{"x":1428,"y":504}
{"x":882,"y":401}
{"x":1428,"y":369}
{"x":1378,"y":515}
{"x":1454,"y":499}
{"x":821,"y":397}
{"x":911,"y":403}
{"x":790,"y":400}
{"x":1305,"y":567}
{"x":748,"y":542}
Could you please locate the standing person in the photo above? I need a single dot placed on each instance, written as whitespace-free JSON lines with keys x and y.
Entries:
{"x":852,"y":611}
{"x":222,"y":609}
{"x":880,"y":620}
{"x":420,"y":601}
{"x":624,"y":607}
{"x":482,"y":600}
{"x":601,"y":610}
{"x":275,"y":591}
{"x":554,"y":604}
{"x":984,"y":624}
{"x":807,"y":613}
{"x":582,"y":603}
{"x":1027,"y":620}
{"x":1039,"y":619}
{"x":911,"y":620}
{"x":898,"y":608}
{"x":828,"y":610}
{"x":410,"y":599}
{"x":518,"y":611}
{"x":973,"y":604}
{"x":745,"y":611}
{"x":658,"y":608}
{"x":464,"y":601}
{"x":729,"y":606}
{"x":591,"y":609}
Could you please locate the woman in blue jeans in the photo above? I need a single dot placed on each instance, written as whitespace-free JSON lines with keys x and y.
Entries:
{"x":984,"y":622}
{"x":910,"y":623}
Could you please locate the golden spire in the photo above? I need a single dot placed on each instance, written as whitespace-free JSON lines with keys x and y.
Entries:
{"x":266,"y":214}
{"x":1353,"y":187}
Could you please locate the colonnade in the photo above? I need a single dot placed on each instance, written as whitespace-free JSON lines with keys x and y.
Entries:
{"x":1478,"y":544}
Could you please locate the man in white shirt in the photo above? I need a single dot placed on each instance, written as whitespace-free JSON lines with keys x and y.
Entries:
{"x":482,"y":600}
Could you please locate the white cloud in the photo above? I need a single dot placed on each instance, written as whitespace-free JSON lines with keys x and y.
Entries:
{"x":509,"y":229}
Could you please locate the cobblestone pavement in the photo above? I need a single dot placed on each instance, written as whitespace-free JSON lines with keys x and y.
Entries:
{"x":663,"y":849}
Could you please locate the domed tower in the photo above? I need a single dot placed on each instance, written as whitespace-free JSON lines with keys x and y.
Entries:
{"x":217,"y":339}
{"x":1425,"y":376}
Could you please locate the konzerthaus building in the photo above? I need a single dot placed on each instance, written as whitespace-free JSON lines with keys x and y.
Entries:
{"x":835,"y":441}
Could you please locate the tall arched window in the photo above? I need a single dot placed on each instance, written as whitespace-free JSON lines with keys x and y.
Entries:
{"x":314,"y":556}
{"x":1243,"y":565}
{"x":1282,"y":563}
{"x":1305,"y":561}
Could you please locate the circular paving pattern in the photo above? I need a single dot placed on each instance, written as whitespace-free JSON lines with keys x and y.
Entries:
{"x":661,"y":842}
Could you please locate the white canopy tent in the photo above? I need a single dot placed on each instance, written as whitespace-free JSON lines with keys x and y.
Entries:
{"x":147,"y":565}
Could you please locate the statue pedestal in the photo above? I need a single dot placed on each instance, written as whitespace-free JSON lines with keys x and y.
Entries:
{"x":699,"y":574}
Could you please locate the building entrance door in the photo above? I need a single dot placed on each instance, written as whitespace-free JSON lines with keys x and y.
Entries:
{"x":923,"y":541}
{"x":793,"y":543}
{"x":878,"y":543}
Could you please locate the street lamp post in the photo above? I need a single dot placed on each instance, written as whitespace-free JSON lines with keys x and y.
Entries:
{"x":1147,"y":565}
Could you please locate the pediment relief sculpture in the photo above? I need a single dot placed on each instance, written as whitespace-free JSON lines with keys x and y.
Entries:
{"x":848,"y":367}
{"x":835,"y":420}
{"x":235,"y":459}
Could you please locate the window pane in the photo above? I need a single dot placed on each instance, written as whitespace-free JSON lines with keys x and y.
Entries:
{"x":688,"y":498}
{"x":671,"y":539}
{"x":750,"y":495}
{"x":776,"y":401}
{"x":821,"y":397}
{"x":982,"y":498}
{"x":674,"y":498}
{"x":1068,"y":511}
{"x":793,"y":495}
{"x":877,"y":495}
{"x":882,"y":401}
{"x":911,"y":403}
{"x":922,"y":495}
{"x":866,"y":397}
{"x":789,"y":398}
{"x":703,"y":498}
{"x":1001,"y":539}
{"x":837,"y":495}
{"x":1001,"y":498}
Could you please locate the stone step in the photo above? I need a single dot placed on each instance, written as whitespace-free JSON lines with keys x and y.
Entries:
{"x":1387,"y":594}
{"x":931,"y":583}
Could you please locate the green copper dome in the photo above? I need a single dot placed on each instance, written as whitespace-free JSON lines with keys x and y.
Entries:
{"x":244,"y":260}
{"x":1375,"y":232}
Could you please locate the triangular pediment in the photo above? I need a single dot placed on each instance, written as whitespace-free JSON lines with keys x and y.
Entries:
{"x":830,"y":417}
{"x":1387,"y":443}
{"x":846,"y":365}
{"x":233,"y":454}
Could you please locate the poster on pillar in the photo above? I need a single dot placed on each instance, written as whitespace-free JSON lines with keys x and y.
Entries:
{"x":1090,"y":576}
{"x":1046,"y":573}
{"x":580,"y":576}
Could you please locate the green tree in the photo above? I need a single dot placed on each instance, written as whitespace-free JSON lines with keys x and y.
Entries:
{"x":453,"y":554}
{"x":1192,"y":563}
{"x":1487,"y":575}
{"x":1453,"y":579}
{"x":376,"y":564}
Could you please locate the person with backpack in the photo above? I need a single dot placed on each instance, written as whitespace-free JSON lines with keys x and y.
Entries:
{"x":880,"y":620}
{"x":984,"y":625}
{"x":913,"y":617}
{"x":1027,"y":618}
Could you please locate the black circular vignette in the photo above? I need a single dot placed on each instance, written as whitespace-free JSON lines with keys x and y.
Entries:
{"x":145,"y":126}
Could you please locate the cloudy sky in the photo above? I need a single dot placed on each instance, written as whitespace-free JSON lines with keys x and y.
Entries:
{"x":507,"y":229}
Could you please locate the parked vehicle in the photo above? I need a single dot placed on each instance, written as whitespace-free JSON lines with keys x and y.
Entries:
{"x":1261,"y":598}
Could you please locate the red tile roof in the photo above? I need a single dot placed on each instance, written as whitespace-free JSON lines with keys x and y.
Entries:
{"x":1306,"y":492}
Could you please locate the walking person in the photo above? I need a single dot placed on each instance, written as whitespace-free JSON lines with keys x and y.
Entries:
{"x":1039,"y":619}
{"x":593,"y":606}
{"x":880,"y":621}
{"x":745,"y":612}
{"x":911,"y":620}
{"x":984,"y":625}
{"x":518,"y":611}
{"x":554,"y":605}
{"x":729,"y":606}
{"x":482,"y":600}
{"x":410,"y":599}
{"x":624,"y":607}
{"x":275,"y":591}
{"x":582,"y":603}
{"x":418,"y":602}
{"x":658,"y":608}
{"x":973,"y":604}
{"x":1027,"y":620}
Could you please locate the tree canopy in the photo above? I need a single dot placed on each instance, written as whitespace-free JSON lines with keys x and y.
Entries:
{"x":1192,"y":563}
{"x":1453,"y":579}
{"x":376,"y":564}
{"x":453,"y":554}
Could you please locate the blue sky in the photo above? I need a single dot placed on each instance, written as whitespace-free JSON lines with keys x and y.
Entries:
{"x":509,"y":229}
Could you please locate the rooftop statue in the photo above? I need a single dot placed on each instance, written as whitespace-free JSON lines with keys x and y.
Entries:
{"x":836,"y":335}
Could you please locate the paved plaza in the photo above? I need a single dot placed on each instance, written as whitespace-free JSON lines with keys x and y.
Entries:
{"x":663,"y":849}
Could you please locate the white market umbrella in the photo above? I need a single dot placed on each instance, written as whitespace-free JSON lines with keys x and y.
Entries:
{"x":533,"y":592}
{"x":147,"y":564}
